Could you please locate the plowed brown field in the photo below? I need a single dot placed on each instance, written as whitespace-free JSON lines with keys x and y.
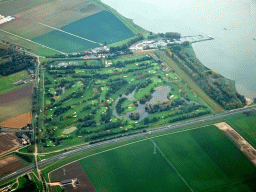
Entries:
{"x":72,"y":171}
{"x":17,"y":122}
{"x":16,"y":102}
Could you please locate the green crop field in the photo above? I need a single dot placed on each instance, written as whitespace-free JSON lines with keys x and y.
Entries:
{"x":90,"y":19}
{"x":101,"y":27}
{"x":7,"y":82}
{"x":245,"y":125}
{"x":195,"y":160}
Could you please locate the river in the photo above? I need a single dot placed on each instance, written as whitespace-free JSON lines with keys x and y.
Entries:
{"x":231,"y":22}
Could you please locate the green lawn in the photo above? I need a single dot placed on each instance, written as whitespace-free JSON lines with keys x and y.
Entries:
{"x":204,"y":158}
{"x":6,"y":82}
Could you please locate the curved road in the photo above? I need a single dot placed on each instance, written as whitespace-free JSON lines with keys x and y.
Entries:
{"x":88,"y":147}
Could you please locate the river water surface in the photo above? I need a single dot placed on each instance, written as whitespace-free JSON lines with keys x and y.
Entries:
{"x":231,"y":22}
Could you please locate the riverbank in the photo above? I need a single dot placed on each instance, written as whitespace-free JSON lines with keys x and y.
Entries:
{"x":231,"y":23}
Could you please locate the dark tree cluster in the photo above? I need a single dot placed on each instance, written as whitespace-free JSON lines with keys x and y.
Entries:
{"x":120,"y":64}
{"x":168,"y":35}
{"x":145,"y":98}
{"x":165,"y":106}
{"x":61,"y":110}
{"x":125,"y":46}
{"x":144,"y":84}
{"x":134,"y":116}
{"x":86,"y":118}
{"x":16,"y":62}
{"x":189,"y":116}
{"x":105,"y":117}
{"x":115,"y":85}
{"x":119,"y":108}
{"x":88,"y":123}
{"x":89,"y":107}
{"x":147,"y":120}
{"x":113,"y":125}
{"x":216,"y":86}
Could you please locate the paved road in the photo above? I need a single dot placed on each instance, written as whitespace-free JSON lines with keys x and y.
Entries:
{"x":88,"y":147}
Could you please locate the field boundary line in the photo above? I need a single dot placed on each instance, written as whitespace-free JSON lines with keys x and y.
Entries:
{"x":121,"y":147}
{"x":171,"y":165}
{"x":69,"y":33}
{"x":32,"y":41}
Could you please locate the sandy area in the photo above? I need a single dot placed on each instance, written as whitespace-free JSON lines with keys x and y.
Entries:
{"x":18,"y":121}
{"x":239,"y":141}
{"x":69,"y":130}
{"x":249,"y":101}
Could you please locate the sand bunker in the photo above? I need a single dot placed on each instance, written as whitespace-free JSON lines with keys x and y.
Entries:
{"x":239,"y":141}
{"x":18,"y":121}
{"x":69,"y":130}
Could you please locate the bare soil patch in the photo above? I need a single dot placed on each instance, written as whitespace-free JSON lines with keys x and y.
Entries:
{"x":239,"y":141}
{"x":10,"y":164}
{"x":17,"y":122}
{"x":69,"y":130}
{"x":16,"y":102}
{"x":72,"y":171}
{"x":16,"y":94}
{"x":8,"y":141}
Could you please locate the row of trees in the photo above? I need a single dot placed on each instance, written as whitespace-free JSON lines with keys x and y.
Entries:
{"x":119,"y":108}
{"x":125,"y":46}
{"x":216,"y":86}
{"x":163,"y":106}
{"x":168,"y":35}
{"x":114,"y":86}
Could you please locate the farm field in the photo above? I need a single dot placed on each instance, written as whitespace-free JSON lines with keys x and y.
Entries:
{"x":8,"y":141}
{"x":37,"y":21}
{"x":7,"y":82}
{"x":16,"y":102}
{"x":101,"y":27}
{"x":199,"y":160}
{"x":85,"y":95}
{"x":18,"y":122}
{"x":245,"y":125}
{"x":9,"y":164}
{"x":72,"y":171}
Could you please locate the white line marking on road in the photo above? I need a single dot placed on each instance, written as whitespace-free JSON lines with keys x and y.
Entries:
{"x":32,"y":41}
{"x":69,"y":33}
{"x":155,"y":145}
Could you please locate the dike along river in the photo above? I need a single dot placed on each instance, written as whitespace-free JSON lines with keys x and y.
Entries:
{"x":231,"y":22}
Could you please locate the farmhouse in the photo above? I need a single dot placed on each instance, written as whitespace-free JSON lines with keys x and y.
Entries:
{"x":74,"y":182}
{"x":4,"y":19}
{"x":98,"y":50}
{"x":20,"y":82}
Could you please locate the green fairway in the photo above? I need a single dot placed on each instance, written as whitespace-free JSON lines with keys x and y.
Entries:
{"x":198,"y":160}
{"x":6,"y":82}
{"x":100,"y":28}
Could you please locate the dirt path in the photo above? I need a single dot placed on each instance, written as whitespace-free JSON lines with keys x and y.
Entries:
{"x":239,"y":141}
